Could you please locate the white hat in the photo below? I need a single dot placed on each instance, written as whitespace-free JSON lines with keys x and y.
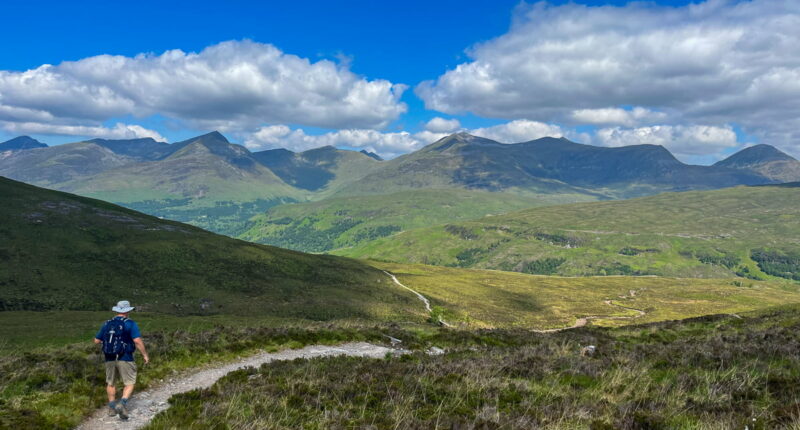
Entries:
{"x":123,"y":307}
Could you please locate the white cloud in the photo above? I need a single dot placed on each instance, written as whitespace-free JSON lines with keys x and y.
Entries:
{"x":520,"y":130}
{"x":280,"y":136}
{"x":719,"y":62}
{"x":441,"y":125}
{"x":119,"y":131}
{"x":689,"y":141}
{"x":617,"y":116}
{"x":234,"y":86}
{"x":390,"y":145}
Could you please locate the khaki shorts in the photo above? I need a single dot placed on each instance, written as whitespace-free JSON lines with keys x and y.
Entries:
{"x":116,"y":370}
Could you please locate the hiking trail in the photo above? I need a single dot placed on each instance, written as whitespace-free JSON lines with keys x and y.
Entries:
{"x":420,"y":296}
{"x":581,"y":322}
{"x":145,"y":405}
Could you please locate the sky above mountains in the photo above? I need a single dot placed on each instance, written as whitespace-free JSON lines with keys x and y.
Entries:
{"x":702,"y":79}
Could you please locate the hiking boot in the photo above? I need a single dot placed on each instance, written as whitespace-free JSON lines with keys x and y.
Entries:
{"x":122,"y":410}
{"x":112,"y":410}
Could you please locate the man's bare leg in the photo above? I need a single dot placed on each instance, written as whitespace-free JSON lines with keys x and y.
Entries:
{"x":112,"y":392}
{"x":127,"y":391}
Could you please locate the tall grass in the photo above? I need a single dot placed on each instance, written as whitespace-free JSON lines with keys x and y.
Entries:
{"x":707,"y":373}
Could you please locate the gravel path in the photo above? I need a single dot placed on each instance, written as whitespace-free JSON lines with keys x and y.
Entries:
{"x":581,"y":322}
{"x":420,"y":296}
{"x":145,"y":405}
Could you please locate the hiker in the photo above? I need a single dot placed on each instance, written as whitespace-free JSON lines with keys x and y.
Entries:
{"x":120,"y":338}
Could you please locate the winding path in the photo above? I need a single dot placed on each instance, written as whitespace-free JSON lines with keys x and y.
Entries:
{"x":581,"y":322}
{"x":145,"y":405}
{"x":420,"y":296}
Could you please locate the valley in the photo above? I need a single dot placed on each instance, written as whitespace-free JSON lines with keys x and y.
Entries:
{"x":740,"y":231}
{"x":487,"y":267}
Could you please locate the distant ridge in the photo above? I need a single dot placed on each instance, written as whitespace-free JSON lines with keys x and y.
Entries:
{"x":371,"y":155}
{"x":753,"y":155}
{"x":318,"y":169}
{"x":546,"y":166}
{"x":213,"y":183}
{"x":765,"y":160}
{"x":21,"y":143}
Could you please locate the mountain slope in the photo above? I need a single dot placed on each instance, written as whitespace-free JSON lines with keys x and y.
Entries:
{"x":349,"y":221}
{"x":321,"y":170}
{"x":749,"y":231}
{"x":143,"y":149}
{"x":54,"y":166}
{"x":765,"y":160}
{"x":206,"y":181}
{"x":547,"y":165}
{"x":61,"y":251}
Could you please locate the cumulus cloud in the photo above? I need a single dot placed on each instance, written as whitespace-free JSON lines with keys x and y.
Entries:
{"x":520,"y":130}
{"x":441,"y":125}
{"x":718,"y":62}
{"x":690,"y":142}
{"x":682,"y":140}
{"x":230,"y":86}
{"x":392,"y":144}
{"x":617,"y":116}
{"x":119,"y":131}
{"x":281,"y":136}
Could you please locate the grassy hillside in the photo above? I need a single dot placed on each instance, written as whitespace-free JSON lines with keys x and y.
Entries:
{"x":350,"y":221}
{"x":471,"y":298}
{"x":63,"y":252}
{"x":751,"y":232}
{"x":708,"y":373}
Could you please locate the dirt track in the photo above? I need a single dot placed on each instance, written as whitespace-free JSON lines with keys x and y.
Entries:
{"x":145,"y":405}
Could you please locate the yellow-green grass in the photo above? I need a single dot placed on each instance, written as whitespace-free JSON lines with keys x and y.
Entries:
{"x":488,"y":298}
{"x":698,"y":234}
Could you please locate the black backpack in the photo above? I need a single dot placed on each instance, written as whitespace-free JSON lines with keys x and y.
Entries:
{"x":113,"y":341}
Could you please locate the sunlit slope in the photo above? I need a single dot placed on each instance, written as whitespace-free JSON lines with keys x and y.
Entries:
{"x":485,"y":298}
{"x":63,"y":252}
{"x":350,"y":221}
{"x":750,"y":231}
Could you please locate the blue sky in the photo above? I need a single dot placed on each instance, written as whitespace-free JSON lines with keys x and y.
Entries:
{"x":393,"y":48}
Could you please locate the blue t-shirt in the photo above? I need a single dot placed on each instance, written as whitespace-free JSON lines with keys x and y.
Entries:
{"x":131,"y":332}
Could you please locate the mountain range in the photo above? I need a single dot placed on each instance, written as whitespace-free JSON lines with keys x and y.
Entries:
{"x":215,"y":184}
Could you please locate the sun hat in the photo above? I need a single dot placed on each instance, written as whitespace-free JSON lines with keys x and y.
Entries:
{"x":123,"y":307}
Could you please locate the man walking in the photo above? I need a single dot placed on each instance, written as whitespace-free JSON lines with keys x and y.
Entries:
{"x":120,"y":338}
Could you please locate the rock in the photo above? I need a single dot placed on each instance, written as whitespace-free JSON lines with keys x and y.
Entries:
{"x":588,"y":351}
{"x":435,"y":350}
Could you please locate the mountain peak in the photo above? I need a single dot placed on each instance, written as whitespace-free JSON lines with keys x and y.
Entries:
{"x":20,"y":143}
{"x":371,"y":155}
{"x":754,"y":155}
{"x":213,"y":136}
{"x":459,"y":139}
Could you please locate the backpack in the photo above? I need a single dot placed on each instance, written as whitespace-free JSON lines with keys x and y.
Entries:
{"x":113,"y":341}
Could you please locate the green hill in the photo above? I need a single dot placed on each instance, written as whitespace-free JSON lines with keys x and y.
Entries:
{"x":747,"y":231}
{"x":349,"y":221}
{"x":63,"y":252}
